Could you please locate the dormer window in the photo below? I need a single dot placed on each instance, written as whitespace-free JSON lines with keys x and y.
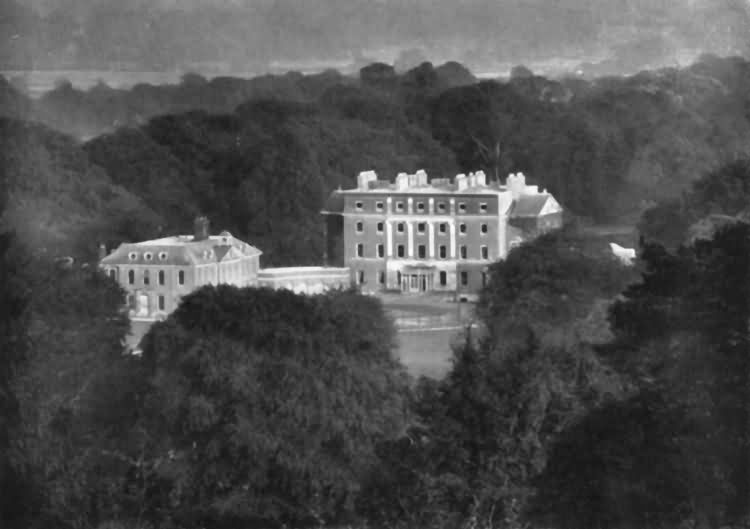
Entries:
{"x":399,"y":206}
{"x":132,"y":256}
{"x":359,"y":206}
{"x":162,"y":256}
{"x":420,"y":207}
{"x":462,"y":207}
{"x":483,"y":207}
{"x":441,"y":207}
{"x":148,"y":256}
{"x":379,"y":205}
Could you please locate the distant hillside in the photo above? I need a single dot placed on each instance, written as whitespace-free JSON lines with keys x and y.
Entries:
{"x":252,"y":35}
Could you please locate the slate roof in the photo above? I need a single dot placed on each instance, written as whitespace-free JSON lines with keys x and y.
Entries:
{"x":529,"y":205}
{"x":181,"y":250}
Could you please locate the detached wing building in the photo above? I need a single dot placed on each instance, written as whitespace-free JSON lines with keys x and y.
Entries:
{"x":415,"y":235}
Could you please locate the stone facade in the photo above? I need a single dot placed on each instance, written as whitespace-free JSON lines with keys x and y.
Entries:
{"x":438,"y":236}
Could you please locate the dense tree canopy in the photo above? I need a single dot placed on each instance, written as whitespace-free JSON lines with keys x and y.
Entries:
{"x":264,"y":406}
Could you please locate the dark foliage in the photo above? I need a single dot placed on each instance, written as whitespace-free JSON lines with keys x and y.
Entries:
{"x":264,"y":406}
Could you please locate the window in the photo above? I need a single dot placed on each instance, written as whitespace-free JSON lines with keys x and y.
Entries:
{"x":463,"y":252}
{"x":464,"y":278}
{"x":462,"y":207}
{"x":380,"y":227}
{"x":148,"y":256}
{"x":381,"y":277}
{"x":443,"y":252}
{"x":400,"y":250}
{"x":358,"y":205}
{"x":146,"y":278}
{"x":112,"y":273}
{"x":443,"y":227}
{"x":181,"y":277}
{"x":131,"y":277}
{"x":483,"y":207}
{"x":441,"y":207}
{"x":132,"y":256}
{"x":485,"y":252}
{"x":484,"y":228}
{"x":421,"y":227}
{"x":360,"y":250}
{"x":381,"y":250}
{"x":360,"y":277}
{"x":161,"y":302}
{"x":379,"y":205}
{"x":161,"y":277}
{"x":360,"y":227}
{"x":399,"y":206}
{"x":422,"y":251}
{"x":162,"y":256}
{"x":443,"y":278}
{"x":400,"y":227}
{"x":420,"y":207}
{"x":462,"y":228}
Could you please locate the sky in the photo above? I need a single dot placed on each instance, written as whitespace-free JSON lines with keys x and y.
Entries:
{"x":484,"y":34}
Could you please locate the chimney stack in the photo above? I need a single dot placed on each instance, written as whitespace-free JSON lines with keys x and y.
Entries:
{"x":200,"y":229}
{"x":102,"y":251}
{"x":481,"y":179}
{"x":402,"y":181}
{"x":460,"y":182}
{"x":364,"y":178}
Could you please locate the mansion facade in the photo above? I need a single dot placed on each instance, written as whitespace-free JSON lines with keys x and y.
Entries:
{"x":415,"y":235}
{"x":156,"y":274}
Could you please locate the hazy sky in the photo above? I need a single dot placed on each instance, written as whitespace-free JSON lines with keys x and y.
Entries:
{"x":485,"y":33}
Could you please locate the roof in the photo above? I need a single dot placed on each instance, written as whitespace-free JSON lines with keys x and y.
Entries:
{"x":529,"y":205}
{"x":182,"y":250}
{"x":491,"y":188}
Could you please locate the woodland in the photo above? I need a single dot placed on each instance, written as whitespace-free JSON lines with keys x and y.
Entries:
{"x":591,"y":394}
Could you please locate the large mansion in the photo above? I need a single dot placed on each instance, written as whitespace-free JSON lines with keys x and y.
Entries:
{"x":416,"y":235}
{"x":157,"y":273}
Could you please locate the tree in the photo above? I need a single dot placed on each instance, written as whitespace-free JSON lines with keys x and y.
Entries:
{"x":14,"y":346}
{"x":683,"y":332}
{"x":264,"y":406}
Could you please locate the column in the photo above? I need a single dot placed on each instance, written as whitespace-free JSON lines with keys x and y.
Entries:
{"x":410,"y":237}
{"x":431,"y":239}
{"x":388,"y":237}
{"x":452,"y":227}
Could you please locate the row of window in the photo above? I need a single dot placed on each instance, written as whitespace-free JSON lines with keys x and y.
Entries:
{"x":148,"y":256}
{"x":419,"y":206}
{"x":133,"y":303}
{"x":422,"y":227}
{"x":160,"y":277}
{"x":484,"y":252}
{"x":463,"y":277}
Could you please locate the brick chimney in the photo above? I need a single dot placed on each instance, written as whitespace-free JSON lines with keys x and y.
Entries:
{"x":200,"y":229}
